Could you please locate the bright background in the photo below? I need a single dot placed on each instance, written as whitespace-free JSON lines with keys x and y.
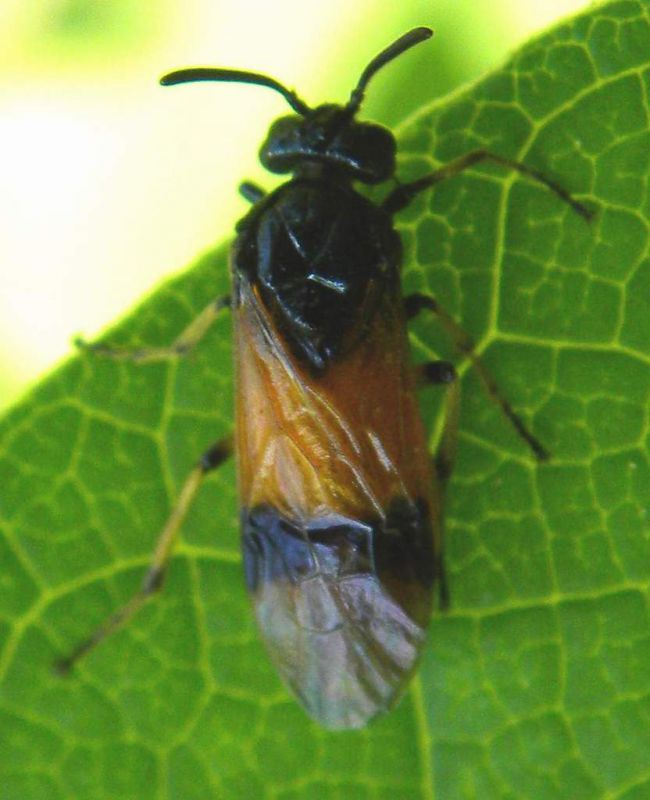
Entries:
{"x":108,"y":183}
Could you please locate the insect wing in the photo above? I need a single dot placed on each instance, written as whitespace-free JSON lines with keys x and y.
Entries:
{"x":338,"y":516}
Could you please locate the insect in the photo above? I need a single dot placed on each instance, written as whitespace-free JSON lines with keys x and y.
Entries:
{"x":341,"y":503}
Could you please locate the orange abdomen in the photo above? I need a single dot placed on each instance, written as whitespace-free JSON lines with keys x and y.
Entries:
{"x":350,"y":440}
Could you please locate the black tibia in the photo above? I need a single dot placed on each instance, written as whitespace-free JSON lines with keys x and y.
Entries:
{"x":416,"y":302}
{"x":155,"y":576}
{"x":251,"y":191}
{"x":322,"y":257}
{"x":434,"y":373}
{"x":187,"y":340}
{"x":215,"y":456}
{"x":400,"y":197}
{"x":464,"y":345}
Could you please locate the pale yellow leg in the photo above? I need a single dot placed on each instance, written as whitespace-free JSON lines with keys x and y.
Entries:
{"x":155,"y":576}
{"x":187,"y":340}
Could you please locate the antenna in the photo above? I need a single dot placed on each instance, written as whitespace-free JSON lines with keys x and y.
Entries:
{"x":405,"y":42}
{"x":195,"y":74}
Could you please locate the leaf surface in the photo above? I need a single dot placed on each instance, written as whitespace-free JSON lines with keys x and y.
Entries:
{"x":537,"y":683}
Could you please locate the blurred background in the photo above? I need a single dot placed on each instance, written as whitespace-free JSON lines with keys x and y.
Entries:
{"x":110,"y":183}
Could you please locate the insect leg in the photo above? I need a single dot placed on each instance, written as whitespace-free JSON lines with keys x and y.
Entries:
{"x":154,"y":578}
{"x":436,"y":373}
{"x":401,"y":196}
{"x":251,"y":192}
{"x":464,"y":345}
{"x":188,"y":339}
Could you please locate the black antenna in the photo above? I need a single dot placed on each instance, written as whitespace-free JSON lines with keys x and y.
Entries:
{"x":193,"y":74}
{"x":405,"y":42}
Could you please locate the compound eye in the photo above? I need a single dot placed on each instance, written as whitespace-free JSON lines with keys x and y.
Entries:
{"x":376,"y":148}
{"x":281,"y":149}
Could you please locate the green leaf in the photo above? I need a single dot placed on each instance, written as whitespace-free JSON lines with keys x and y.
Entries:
{"x":536,"y":684}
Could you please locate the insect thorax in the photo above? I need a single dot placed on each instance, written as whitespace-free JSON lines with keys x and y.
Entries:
{"x":324,"y":258}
